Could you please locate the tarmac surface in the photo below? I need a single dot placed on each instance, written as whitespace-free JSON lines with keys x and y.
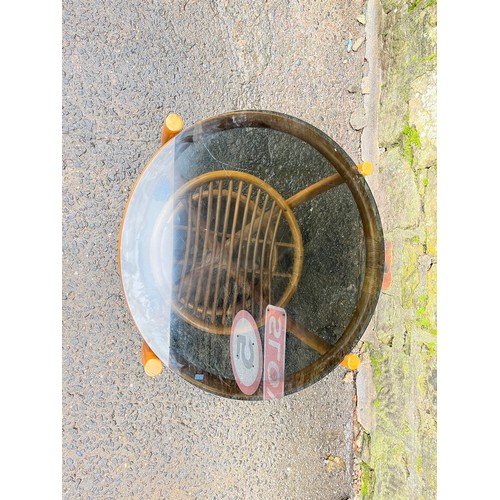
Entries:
{"x":125,"y":66}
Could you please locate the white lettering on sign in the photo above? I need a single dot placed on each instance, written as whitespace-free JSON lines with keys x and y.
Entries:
{"x":274,"y":353}
{"x":246,"y":352}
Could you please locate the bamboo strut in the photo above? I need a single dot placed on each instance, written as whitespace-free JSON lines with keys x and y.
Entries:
{"x":262,"y":261}
{"x":196,"y":240}
{"x":266,"y":199}
{"x":230,"y":252}
{"x":205,"y":240}
{"x":323,"y":185}
{"x":226,"y":219}
{"x":245,"y":213}
{"x":186,"y":253}
{"x":214,"y":250}
{"x":307,"y":337}
{"x":270,"y":271}
{"x":299,"y":331}
{"x":319,"y":187}
{"x":311,"y":191}
{"x":245,"y":271}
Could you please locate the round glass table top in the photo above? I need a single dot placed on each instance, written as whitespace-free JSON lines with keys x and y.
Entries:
{"x":242,"y":222}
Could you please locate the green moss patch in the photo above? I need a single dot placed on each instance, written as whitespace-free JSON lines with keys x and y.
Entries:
{"x":411,"y":143}
{"x":367,"y":481}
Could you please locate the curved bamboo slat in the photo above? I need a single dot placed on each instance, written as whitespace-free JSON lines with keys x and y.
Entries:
{"x":230,"y":261}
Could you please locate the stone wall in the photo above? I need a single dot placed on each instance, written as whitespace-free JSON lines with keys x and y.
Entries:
{"x":396,"y":383}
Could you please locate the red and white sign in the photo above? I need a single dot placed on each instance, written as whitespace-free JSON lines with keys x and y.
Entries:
{"x":246,"y":352}
{"x":274,"y":353}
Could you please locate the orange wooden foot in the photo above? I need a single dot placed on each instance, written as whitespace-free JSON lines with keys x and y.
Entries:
{"x":150,"y":361}
{"x":351,"y":361}
{"x":365,"y":168}
{"x":171,"y":127}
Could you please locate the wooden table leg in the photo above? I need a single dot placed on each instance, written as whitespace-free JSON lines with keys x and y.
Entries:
{"x":351,"y":361}
{"x":151,"y":363}
{"x":365,"y":168}
{"x":171,"y":127}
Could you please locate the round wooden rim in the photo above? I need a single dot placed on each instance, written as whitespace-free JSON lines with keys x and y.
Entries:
{"x":298,"y":254}
{"x":372,"y":229}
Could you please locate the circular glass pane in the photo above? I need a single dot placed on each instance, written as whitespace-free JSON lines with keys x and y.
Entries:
{"x":238,"y":212}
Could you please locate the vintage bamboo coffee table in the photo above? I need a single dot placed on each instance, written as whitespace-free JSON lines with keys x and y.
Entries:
{"x":237,"y":212}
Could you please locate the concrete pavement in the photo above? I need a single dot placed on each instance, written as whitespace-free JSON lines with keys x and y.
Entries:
{"x":126,"y":65}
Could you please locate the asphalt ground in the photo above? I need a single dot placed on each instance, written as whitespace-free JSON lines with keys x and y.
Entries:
{"x":126,"y":64}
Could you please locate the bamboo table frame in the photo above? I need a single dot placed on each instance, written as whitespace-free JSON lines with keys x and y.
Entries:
{"x":331,"y":355}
